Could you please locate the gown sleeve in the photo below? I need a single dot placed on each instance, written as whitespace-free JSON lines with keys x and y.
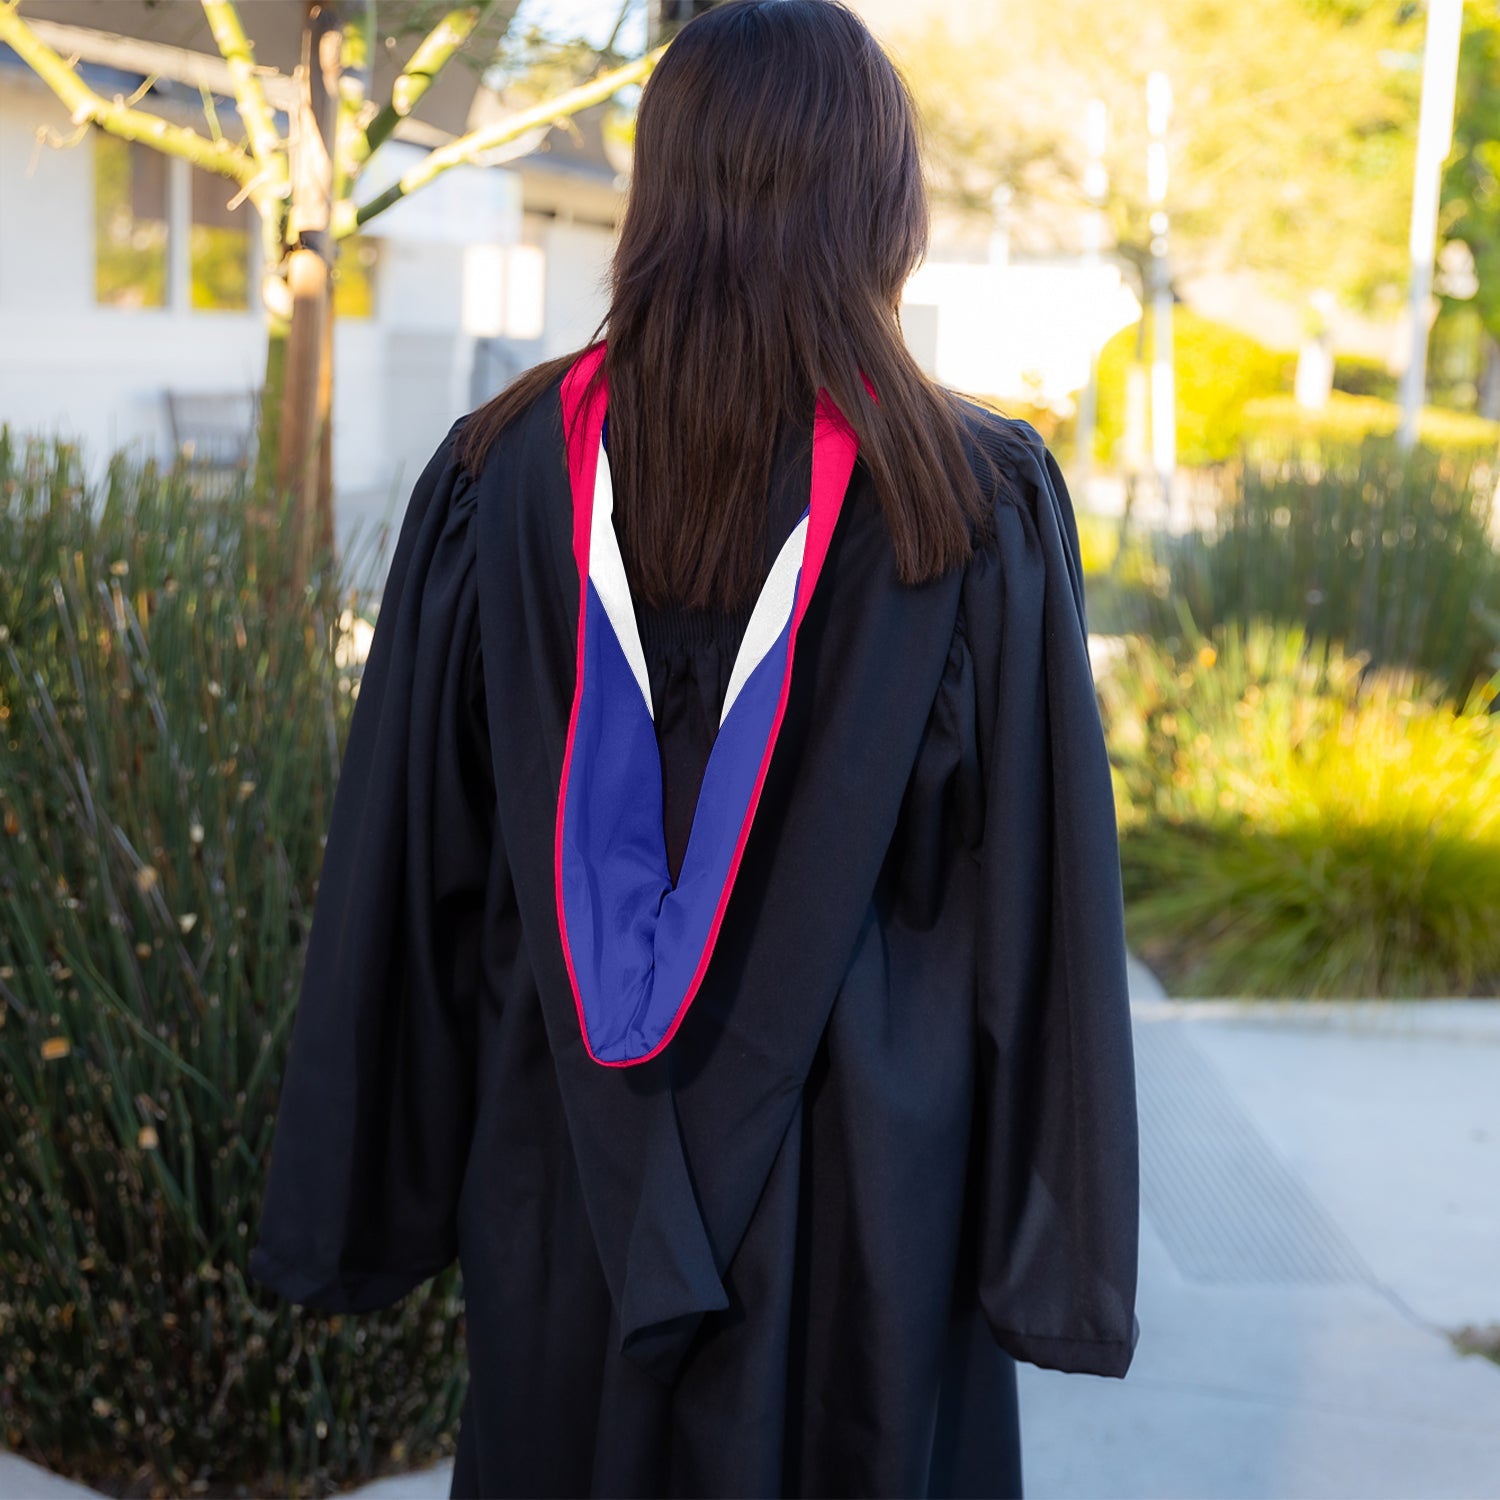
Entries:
{"x":1058,"y":1188}
{"x":377,"y":1097}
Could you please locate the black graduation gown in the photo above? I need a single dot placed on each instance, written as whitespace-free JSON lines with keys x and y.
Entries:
{"x":892,"y":1146}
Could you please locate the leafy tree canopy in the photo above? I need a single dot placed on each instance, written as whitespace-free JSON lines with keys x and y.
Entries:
{"x":1291,"y":142}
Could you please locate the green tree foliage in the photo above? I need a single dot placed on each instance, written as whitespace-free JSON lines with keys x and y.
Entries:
{"x":1217,"y":369}
{"x":1291,"y":144}
{"x":1471,"y":184}
{"x":301,"y":184}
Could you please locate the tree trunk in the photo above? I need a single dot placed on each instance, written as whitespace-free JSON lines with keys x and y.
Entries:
{"x":323,"y":536}
{"x":302,"y":467}
{"x":298,"y":463}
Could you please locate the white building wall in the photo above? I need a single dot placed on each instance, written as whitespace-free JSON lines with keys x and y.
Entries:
{"x":46,"y":207}
{"x":427,"y":352}
{"x":97,"y":374}
{"x":68,"y":366}
{"x":577,"y":287}
{"x":1014,"y":331}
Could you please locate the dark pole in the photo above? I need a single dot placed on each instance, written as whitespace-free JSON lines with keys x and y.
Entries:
{"x":668,"y":16}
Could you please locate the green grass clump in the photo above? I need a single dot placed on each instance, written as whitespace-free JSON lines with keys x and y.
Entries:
{"x":169,"y":746}
{"x":1294,"y":824}
{"x":1391,"y":553}
{"x":1476,"y":1339}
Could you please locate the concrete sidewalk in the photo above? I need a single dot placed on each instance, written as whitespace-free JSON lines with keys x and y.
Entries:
{"x":1320,"y":1191}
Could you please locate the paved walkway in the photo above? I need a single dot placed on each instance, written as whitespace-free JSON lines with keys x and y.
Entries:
{"x":1320,"y":1204}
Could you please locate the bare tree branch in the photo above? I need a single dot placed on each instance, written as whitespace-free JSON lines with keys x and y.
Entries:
{"x":433,"y":54}
{"x":614,"y":33}
{"x":356,"y":61}
{"x":467,"y":147}
{"x":250,"y":97}
{"x":118,"y":118}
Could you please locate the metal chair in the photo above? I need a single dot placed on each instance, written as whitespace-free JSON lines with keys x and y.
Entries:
{"x":213,"y":436}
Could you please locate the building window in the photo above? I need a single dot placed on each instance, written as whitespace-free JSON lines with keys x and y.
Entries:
{"x":354,"y":277}
{"x":164,"y":234}
{"x":130,"y":223}
{"x":219,"y":244}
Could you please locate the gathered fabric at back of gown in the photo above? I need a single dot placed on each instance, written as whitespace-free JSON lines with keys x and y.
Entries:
{"x":690,"y":653}
{"x":975,"y":1434}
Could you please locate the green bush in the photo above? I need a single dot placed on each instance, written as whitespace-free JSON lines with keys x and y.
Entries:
{"x":1216,"y":370}
{"x":1275,"y":421}
{"x":168,"y":751}
{"x":1359,"y":375}
{"x":1121,"y":587}
{"x":1098,"y":542}
{"x":1295,"y":824}
{"x":1455,"y":358}
{"x":1388,"y":552}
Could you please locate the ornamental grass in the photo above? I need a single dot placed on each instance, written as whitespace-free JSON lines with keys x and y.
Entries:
{"x":1296,"y":823}
{"x":170,"y":735}
{"x":1394,"y":554}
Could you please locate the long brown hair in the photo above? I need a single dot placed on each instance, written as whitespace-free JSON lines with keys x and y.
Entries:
{"x":776,"y":209}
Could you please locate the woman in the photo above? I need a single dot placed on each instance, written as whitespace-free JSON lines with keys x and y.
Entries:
{"x":719,"y":948}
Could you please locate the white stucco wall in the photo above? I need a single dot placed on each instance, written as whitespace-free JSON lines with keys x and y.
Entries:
{"x":577,"y":289}
{"x":97,"y":374}
{"x":68,"y":365}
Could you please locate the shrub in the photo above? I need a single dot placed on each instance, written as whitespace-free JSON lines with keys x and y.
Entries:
{"x":1098,"y":541}
{"x":1347,"y":419}
{"x":1296,"y":824}
{"x":1388,"y":552}
{"x":1122,"y":584}
{"x":1359,"y":375}
{"x":168,"y":752}
{"x":1216,"y":370}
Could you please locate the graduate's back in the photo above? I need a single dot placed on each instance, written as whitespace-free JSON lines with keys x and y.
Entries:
{"x":719,"y":949}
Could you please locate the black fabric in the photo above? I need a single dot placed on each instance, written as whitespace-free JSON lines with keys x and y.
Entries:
{"x":892,"y":1146}
{"x":690,"y":652}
